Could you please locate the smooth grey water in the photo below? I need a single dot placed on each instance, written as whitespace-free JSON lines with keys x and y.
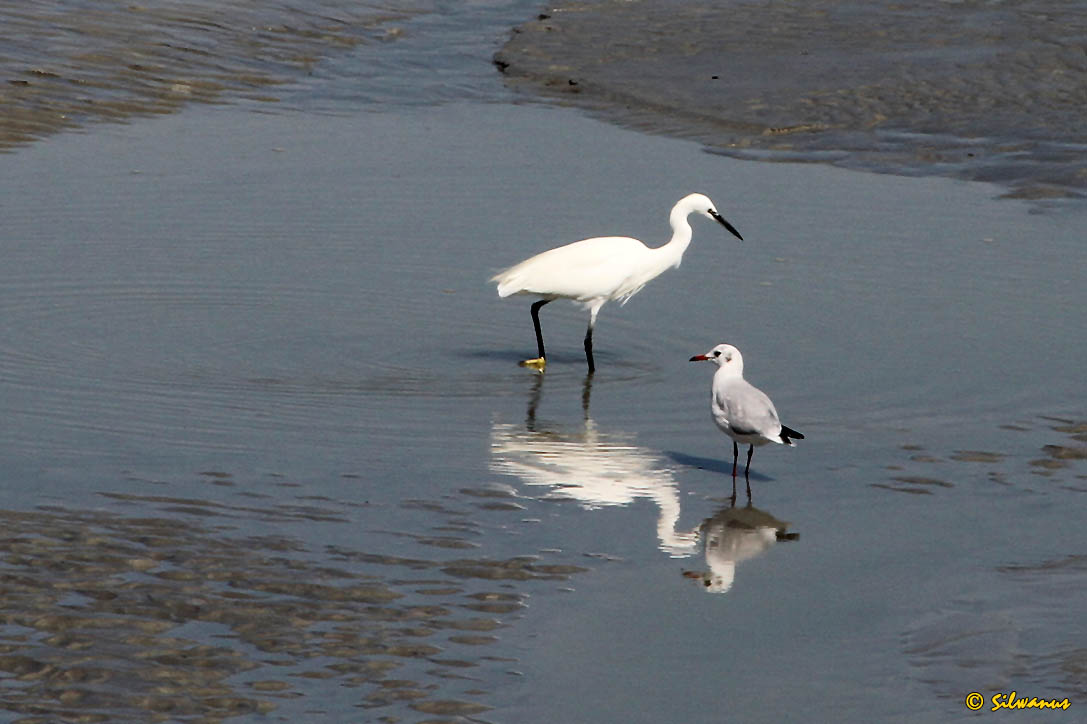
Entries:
{"x":265,"y":438}
{"x":324,"y":363}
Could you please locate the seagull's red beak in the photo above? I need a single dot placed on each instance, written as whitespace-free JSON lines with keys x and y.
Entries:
{"x":698,"y":358}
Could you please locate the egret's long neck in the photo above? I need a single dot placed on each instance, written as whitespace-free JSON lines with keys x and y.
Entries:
{"x":672,"y":253}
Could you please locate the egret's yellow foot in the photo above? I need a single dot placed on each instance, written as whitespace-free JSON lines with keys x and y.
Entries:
{"x":537,"y":364}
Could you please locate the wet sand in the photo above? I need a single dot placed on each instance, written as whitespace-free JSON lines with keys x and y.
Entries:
{"x":970,"y":90}
{"x":66,"y":67}
{"x":155,"y":614}
{"x":980,"y":91}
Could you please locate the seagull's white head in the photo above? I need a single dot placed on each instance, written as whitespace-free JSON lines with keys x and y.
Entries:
{"x":724,"y":356}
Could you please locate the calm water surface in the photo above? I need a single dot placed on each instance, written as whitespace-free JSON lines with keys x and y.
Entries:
{"x":265,"y":436}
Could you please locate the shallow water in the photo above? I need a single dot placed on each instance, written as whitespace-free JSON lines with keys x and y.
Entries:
{"x":324,"y":364}
{"x":264,"y":429}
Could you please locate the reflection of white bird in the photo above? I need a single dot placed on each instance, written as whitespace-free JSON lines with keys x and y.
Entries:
{"x":741,"y":410}
{"x":735,"y":535}
{"x":594,"y":271}
{"x":594,"y":469}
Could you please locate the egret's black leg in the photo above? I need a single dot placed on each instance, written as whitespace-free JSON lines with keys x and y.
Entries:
{"x":589,"y":348}
{"x":593,"y":311}
{"x":735,"y":456}
{"x":536,"y":324}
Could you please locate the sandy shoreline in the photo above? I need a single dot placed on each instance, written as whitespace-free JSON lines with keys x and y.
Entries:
{"x":985,"y":92}
{"x":66,"y":68}
{"x":975,"y":91}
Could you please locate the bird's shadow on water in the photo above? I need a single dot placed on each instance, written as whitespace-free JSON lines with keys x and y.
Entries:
{"x":714,"y":465}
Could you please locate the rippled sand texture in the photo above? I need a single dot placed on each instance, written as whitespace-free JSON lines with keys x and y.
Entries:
{"x":996,"y":90}
{"x":63,"y":65}
{"x":154,"y":617}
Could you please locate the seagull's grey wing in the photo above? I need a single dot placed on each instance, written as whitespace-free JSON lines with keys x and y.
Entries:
{"x":748,"y":410}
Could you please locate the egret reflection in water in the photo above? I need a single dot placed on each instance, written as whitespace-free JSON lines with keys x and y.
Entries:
{"x":596,"y":468}
{"x":733,"y":535}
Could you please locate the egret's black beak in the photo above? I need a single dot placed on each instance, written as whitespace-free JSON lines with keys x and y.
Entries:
{"x":727,"y":225}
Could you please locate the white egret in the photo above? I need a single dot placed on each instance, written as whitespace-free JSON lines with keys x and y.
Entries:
{"x":594,"y":271}
{"x":741,"y":410}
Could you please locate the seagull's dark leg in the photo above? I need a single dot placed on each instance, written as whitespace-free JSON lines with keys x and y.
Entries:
{"x":536,"y":324}
{"x":747,"y":470}
{"x":735,"y":456}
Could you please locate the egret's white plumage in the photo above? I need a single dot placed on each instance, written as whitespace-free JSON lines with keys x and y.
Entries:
{"x":741,"y":410}
{"x":594,"y":271}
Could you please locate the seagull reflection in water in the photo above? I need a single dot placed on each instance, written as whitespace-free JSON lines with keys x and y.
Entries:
{"x":733,"y":535}
{"x":597,"y":469}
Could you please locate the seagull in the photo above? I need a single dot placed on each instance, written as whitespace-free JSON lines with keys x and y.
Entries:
{"x":591,"y":272}
{"x":741,"y":410}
